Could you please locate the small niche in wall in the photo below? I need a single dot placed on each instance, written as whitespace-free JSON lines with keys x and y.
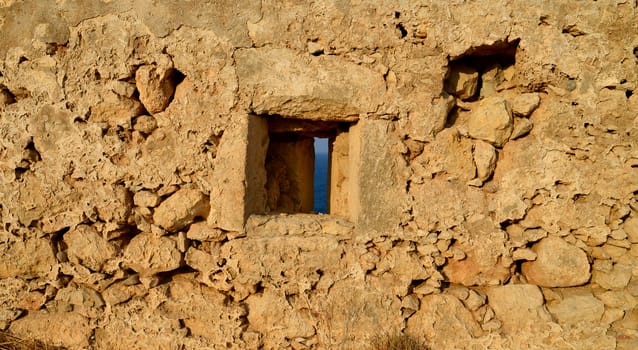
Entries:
{"x":481,"y":71}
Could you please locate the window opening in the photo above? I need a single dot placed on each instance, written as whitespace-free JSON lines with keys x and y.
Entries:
{"x":321,"y":175}
{"x":307,"y":167}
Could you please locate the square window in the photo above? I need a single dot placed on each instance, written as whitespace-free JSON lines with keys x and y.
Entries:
{"x":290,"y":165}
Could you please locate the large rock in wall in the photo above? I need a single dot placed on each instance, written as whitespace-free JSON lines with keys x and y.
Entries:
{"x":487,"y":182}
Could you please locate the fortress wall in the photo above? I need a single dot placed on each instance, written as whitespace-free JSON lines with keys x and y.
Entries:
{"x":484,"y":191}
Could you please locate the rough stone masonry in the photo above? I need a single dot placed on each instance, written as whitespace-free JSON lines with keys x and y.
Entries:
{"x":483,"y":182}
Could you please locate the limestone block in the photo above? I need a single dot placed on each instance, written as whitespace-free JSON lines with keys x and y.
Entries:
{"x":617,"y":299}
{"x":145,"y":124}
{"x":146,"y":199}
{"x":289,"y":261}
{"x":443,"y":322}
{"x":85,"y":301}
{"x":462,"y":81}
{"x":524,"y":104}
{"x":115,"y":109}
{"x":617,"y":278}
{"x":240,"y":179}
{"x":631,"y":229}
{"x":576,"y":305}
{"x":29,"y":259}
{"x":162,"y":18}
{"x":202,"y":231}
{"x":120,"y":292}
{"x":474,"y":269}
{"x":201,"y":260}
{"x":517,"y":305}
{"x":522,"y":127}
{"x":483,"y":263}
{"x":491,"y":121}
{"x":524,"y":254}
{"x":280,"y":82}
{"x":149,"y":254}
{"x":137,"y":325}
{"x":353,"y":313}
{"x":156,"y":84}
{"x":381,"y":177}
{"x":558,"y":264}
{"x":484,"y":159}
{"x":66,"y":329}
{"x":87,"y":247}
{"x":180,"y":209}
{"x":448,"y":153}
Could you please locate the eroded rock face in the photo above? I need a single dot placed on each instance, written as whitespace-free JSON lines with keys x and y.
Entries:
{"x":29,"y":259}
{"x":149,"y":254}
{"x":155,"y":83}
{"x":577,"y":305}
{"x":482,"y":173}
{"x":558,"y":264}
{"x":66,"y":329}
{"x":443,"y":322}
{"x":87,"y":247}
{"x":180,"y":209}
{"x":492,"y":121}
{"x":517,"y":306}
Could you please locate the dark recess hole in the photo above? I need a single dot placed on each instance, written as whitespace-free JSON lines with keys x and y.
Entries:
{"x":452,"y":116}
{"x":397,"y":14}
{"x":19,"y":172}
{"x":402,"y":30}
{"x":317,"y":53}
{"x":22,"y":59}
{"x":482,"y":57}
{"x":628,"y":93}
{"x":33,"y":152}
{"x":636,"y":51}
{"x":178,"y":77}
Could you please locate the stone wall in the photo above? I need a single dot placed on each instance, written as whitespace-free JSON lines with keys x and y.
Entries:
{"x":486,"y":182}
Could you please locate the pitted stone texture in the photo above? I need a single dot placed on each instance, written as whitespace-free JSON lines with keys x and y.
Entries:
{"x":274,"y":316}
{"x":443,"y":322}
{"x":87,"y":247}
{"x":491,"y":121}
{"x":576,"y":305}
{"x":204,"y":311}
{"x":66,"y":329}
{"x":485,"y":262}
{"x":27,"y":259}
{"x":617,"y":278}
{"x":517,"y":305}
{"x":180,"y":209}
{"x":558,"y":264}
{"x":149,"y":254}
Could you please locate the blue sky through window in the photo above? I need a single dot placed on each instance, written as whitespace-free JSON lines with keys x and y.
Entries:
{"x":321,"y":175}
